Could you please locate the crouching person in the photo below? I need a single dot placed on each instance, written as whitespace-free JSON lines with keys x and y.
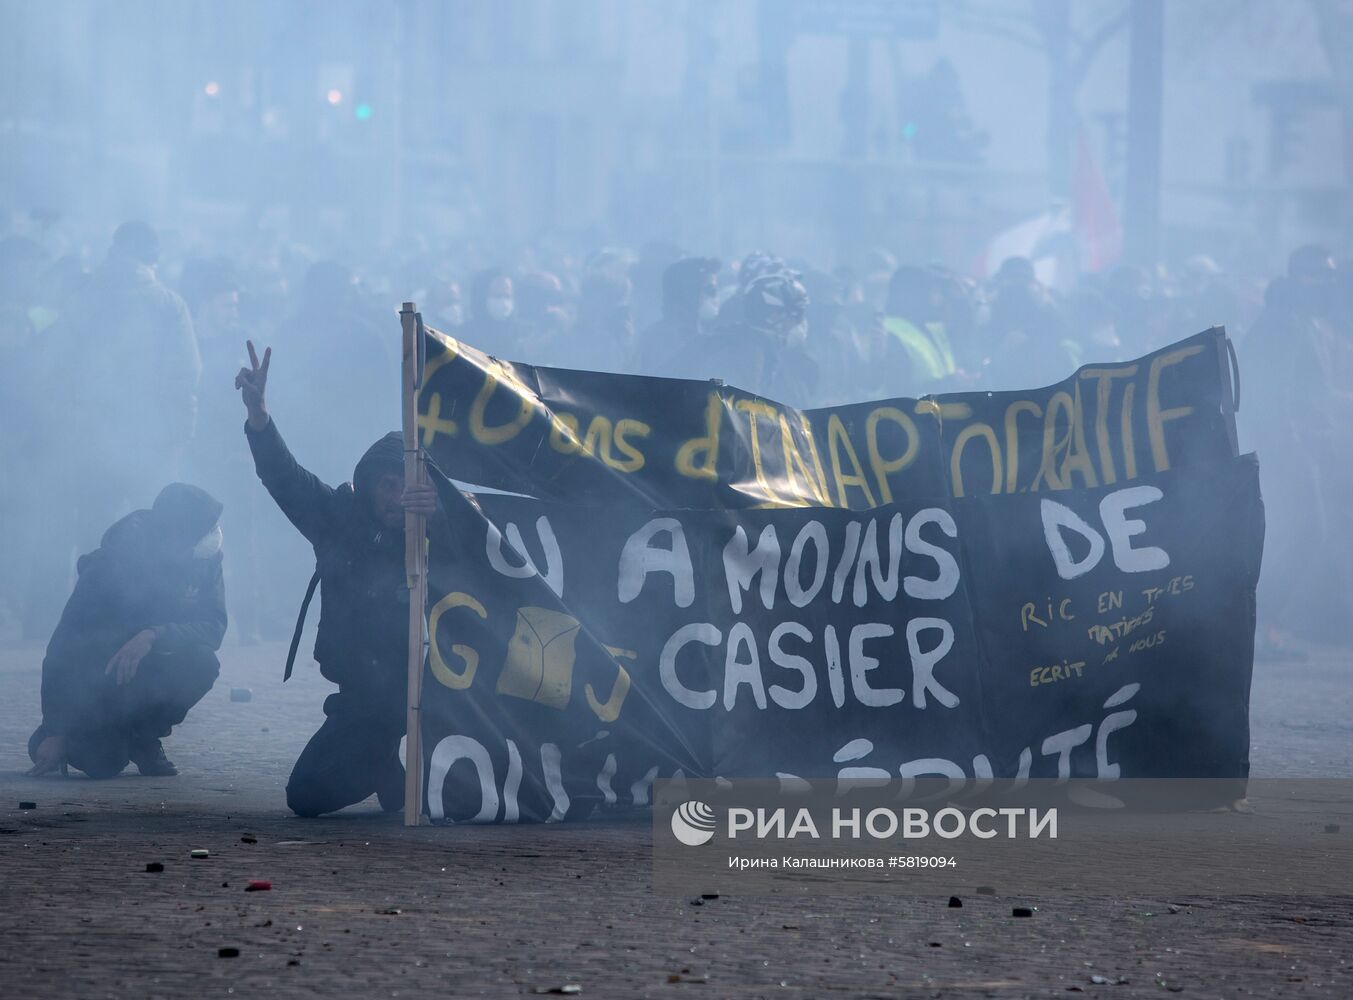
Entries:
{"x":136,"y":645}
{"x":362,"y":644}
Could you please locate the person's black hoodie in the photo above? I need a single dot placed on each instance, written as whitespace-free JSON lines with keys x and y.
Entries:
{"x":363,"y":639}
{"x":143,"y":575}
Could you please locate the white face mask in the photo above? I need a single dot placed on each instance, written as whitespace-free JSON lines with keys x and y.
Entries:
{"x":209,"y":544}
{"x":452,"y":315}
{"x":709,"y":310}
{"x":499,"y":307}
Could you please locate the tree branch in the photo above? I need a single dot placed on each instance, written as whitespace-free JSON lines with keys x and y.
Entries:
{"x":1089,"y":49}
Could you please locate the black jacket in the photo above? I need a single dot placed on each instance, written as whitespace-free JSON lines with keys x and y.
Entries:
{"x":362,"y":645}
{"x":143,"y":575}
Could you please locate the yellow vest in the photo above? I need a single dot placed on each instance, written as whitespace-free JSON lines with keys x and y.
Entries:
{"x":927,"y":348}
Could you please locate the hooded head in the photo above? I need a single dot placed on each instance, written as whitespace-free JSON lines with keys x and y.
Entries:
{"x":756,"y":264}
{"x":183,"y":516}
{"x":912,"y":294}
{"x":378,"y":480}
{"x":137,"y":242}
{"x":777,"y":304}
{"x":690,"y":290}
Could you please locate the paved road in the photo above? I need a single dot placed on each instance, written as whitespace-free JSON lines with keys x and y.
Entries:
{"x":361,"y":906}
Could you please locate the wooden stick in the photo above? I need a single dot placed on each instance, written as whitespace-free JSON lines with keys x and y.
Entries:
{"x":415,"y":570}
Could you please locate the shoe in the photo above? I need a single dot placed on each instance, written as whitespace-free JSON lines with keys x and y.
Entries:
{"x":150,"y":760}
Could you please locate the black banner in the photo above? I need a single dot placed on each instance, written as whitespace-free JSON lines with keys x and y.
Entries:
{"x":1095,"y":621}
{"x":585,"y":437}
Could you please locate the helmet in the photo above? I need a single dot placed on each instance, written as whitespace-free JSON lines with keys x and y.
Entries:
{"x":756,"y":264}
{"x":775,"y":303}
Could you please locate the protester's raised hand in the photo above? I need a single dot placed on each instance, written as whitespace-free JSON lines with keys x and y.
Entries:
{"x":252,"y":383}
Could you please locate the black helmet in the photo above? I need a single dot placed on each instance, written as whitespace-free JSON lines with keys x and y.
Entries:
{"x":775,"y":303}
{"x":756,"y":264}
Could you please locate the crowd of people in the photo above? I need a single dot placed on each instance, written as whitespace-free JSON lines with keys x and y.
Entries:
{"x":117,"y":360}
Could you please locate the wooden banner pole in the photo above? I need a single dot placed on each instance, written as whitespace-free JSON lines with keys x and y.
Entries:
{"x":415,"y":569}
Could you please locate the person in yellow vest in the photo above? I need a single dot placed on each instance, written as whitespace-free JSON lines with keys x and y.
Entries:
{"x":914,"y":316}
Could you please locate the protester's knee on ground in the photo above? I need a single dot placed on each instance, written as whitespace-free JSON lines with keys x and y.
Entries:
{"x":306,"y":802}
{"x":309,"y":794}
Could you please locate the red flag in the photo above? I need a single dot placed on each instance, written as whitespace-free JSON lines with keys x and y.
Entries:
{"x":1099,"y":236}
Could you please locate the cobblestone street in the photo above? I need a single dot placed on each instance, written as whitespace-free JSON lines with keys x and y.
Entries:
{"x":361,"y":906}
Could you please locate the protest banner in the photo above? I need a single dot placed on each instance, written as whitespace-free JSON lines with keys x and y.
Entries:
{"x":1087,"y":612}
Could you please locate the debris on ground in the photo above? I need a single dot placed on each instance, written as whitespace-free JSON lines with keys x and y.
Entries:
{"x":199,"y":853}
{"x":227,"y":953}
{"x":154,"y":866}
{"x":1021,"y":911}
{"x":28,"y":805}
{"x":258,"y":885}
{"x":248,"y":838}
{"x":955,"y":903}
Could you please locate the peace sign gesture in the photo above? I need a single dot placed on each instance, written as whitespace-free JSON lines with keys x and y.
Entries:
{"x":252,"y":382}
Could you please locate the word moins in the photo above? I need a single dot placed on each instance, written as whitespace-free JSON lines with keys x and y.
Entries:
{"x":911,"y":823}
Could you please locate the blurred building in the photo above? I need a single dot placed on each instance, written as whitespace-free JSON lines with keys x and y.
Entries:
{"x":814,"y":126}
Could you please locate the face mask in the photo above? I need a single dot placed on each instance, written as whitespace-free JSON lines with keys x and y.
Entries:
{"x":499,"y":308}
{"x":452,"y":315}
{"x":209,"y":544}
{"x":709,"y":310}
{"x":798,"y":334}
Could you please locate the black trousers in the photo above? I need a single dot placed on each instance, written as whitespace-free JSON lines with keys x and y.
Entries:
{"x":353,"y":756}
{"x":116,"y":718}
